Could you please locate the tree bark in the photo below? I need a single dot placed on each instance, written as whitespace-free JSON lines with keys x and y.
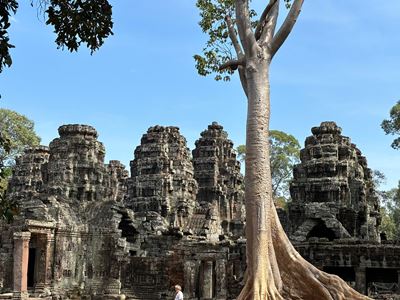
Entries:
{"x":275,"y":270}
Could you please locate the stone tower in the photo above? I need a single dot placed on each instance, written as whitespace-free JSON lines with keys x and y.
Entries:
{"x":76,"y":167}
{"x":29,"y":180}
{"x":217,"y":172}
{"x":332,"y":190}
{"x":162,"y":179}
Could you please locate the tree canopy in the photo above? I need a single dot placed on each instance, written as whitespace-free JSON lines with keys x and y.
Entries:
{"x":75,"y":22}
{"x":16,"y":134}
{"x":6,"y":208}
{"x":240,"y":39}
{"x":390,"y":208}
{"x":20,"y":133}
{"x":392,"y":125}
{"x":391,"y":213}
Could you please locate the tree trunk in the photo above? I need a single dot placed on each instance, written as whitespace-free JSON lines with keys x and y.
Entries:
{"x":275,"y":270}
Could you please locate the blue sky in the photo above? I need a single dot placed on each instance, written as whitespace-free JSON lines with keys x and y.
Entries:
{"x":341,"y":63}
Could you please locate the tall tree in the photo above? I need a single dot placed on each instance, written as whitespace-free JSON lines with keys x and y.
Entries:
{"x":16,"y":134}
{"x":275,"y":270}
{"x":284,"y":154}
{"x":392,"y":125}
{"x":19,"y":131}
{"x":6,"y":209}
{"x":391,"y":213}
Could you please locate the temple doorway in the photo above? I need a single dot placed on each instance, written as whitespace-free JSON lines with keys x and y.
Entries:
{"x":31,"y":267}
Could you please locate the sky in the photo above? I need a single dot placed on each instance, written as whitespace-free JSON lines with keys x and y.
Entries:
{"x":341,"y":63}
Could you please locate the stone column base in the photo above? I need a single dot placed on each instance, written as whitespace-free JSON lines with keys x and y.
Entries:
{"x":20,"y":295}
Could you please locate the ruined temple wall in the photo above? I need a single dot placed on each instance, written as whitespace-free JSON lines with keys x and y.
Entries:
{"x":162,"y":177}
{"x":97,"y":242}
{"x":68,"y":261}
{"x":332,"y":188}
{"x":146,"y":278}
{"x":86,"y":263}
{"x":76,"y":165}
{"x":217,"y":171}
{"x":104,"y":247}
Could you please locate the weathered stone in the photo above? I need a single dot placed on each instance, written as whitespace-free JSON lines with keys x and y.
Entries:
{"x":332,"y":190}
{"x":217,"y":173}
{"x":88,"y":230}
{"x":162,"y":177}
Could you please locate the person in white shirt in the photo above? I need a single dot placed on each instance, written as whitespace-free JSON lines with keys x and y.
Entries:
{"x":179,"y":294}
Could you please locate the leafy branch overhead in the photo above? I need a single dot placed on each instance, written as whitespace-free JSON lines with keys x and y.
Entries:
{"x":224,"y":52}
{"x":7,"y":7}
{"x":78,"y":21}
{"x":75,"y":22}
{"x":392,"y":126}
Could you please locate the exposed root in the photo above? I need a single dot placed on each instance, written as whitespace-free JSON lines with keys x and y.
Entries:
{"x":301,"y":280}
{"x":298,"y":279}
{"x":257,"y":290}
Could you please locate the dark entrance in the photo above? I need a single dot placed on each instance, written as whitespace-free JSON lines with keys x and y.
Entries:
{"x":31,"y":267}
{"x":382,"y":281}
{"x":321,"y":231}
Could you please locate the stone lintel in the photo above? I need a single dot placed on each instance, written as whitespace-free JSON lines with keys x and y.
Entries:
{"x":23,"y":235}
{"x":42,"y":224}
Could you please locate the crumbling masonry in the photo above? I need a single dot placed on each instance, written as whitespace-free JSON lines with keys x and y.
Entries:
{"x":88,"y":230}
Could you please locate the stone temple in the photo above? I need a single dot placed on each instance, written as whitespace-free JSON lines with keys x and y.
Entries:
{"x":89,"y":230}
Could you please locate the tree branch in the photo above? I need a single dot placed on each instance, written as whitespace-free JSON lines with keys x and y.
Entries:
{"x":286,"y":27}
{"x":232,"y":64}
{"x":233,"y":36}
{"x":243,"y":79}
{"x":263,"y":18}
{"x":246,"y":34}
{"x":268,"y":30}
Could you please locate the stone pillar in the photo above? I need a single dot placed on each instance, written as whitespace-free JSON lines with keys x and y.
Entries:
{"x":190,"y":272}
{"x":45,"y":251}
{"x":361,"y":280}
{"x":21,"y":257}
{"x":207,"y":287}
{"x":49,"y":259}
{"x":221,"y":288}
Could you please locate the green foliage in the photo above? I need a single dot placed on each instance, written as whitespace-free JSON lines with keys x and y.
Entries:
{"x":378,"y":178}
{"x":284,"y":154}
{"x":391,"y":213}
{"x":7,"y":7}
{"x":19,"y":131}
{"x":218,"y":48}
{"x":241,"y":152}
{"x":16,"y":134}
{"x":4,"y":147}
{"x":392,"y":126}
{"x":79,"y":21}
{"x":75,"y":22}
{"x":388,"y":226}
{"x":7,"y":209}
{"x":281,"y":202}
